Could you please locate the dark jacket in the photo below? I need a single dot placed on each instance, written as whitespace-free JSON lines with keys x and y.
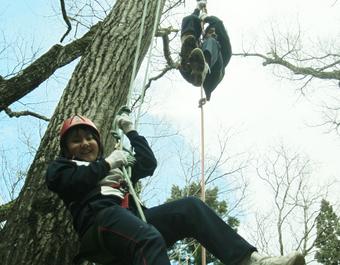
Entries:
{"x":76,"y":184}
{"x":218,"y":45}
{"x":222,"y":37}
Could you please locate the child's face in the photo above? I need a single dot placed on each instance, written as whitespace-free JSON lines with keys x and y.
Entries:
{"x":81,"y":144}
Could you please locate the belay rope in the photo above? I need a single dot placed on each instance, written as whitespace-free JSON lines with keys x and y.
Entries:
{"x":127,"y":171}
{"x":201,"y":104}
{"x":202,"y":101}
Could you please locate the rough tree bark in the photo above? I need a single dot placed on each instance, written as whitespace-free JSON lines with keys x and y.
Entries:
{"x":39,"y":230}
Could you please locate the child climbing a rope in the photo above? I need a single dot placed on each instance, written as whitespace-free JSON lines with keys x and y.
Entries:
{"x":110,"y":230}
{"x":204,"y":63}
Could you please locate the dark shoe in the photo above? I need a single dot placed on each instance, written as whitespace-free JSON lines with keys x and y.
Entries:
{"x":199,"y":68}
{"x":188,"y":44}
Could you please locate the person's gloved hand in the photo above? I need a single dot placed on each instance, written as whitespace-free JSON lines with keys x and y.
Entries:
{"x":203,"y":16}
{"x":117,"y":159}
{"x":131,"y":160}
{"x":125,"y":123}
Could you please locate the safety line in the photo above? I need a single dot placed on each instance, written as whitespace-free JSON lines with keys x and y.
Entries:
{"x":127,"y":172}
{"x":203,"y":254}
{"x":134,"y":69}
{"x":155,"y":25}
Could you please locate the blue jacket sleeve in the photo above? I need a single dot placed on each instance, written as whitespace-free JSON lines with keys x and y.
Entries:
{"x":222,"y":37}
{"x":72,"y":180}
{"x":146,"y":162}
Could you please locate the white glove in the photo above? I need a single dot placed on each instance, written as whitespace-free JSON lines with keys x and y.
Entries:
{"x":203,"y":16}
{"x":117,"y":159}
{"x":125,"y":123}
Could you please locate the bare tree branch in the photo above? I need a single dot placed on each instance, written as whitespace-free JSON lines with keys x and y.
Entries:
{"x":295,"y":202}
{"x":40,"y":70}
{"x":162,"y":73}
{"x":164,"y":33}
{"x":18,"y":114}
{"x":67,"y":21}
{"x":306,"y":71}
{"x":172,"y":5}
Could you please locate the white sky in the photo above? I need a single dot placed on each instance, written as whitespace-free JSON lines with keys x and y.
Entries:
{"x":264,"y":108}
{"x":251,"y":100}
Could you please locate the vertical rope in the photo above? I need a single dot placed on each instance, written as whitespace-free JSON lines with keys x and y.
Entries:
{"x":127,"y":172}
{"x":134,"y":69}
{"x":155,"y":25}
{"x":203,"y":254}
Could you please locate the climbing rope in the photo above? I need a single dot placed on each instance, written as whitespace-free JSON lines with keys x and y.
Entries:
{"x":127,"y":172}
{"x":148,"y":63}
{"x":134,"y":69}
{"x":201,"y":104}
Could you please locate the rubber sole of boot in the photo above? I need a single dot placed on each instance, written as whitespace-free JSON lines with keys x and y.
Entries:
{"x":188,"y":45}
{"x":197,"y":63}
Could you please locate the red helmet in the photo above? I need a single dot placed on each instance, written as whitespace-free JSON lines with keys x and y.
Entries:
{"x":75,"y":121}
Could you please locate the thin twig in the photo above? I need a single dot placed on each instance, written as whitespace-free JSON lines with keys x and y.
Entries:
{"x":18,"y":114}
{"x":67,"y":21}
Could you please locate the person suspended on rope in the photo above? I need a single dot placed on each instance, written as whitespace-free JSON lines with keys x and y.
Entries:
{"x":204,"y":61}
{"x":109,"y":227}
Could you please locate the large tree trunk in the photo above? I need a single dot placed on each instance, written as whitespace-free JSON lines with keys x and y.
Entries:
{"x":39,"y":229}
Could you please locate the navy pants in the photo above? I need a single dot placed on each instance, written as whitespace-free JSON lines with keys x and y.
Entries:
{"x":134,"y":242}
{"x":211,"y":48}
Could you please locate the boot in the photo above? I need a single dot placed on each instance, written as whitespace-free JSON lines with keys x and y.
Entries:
{"x":199,"y":67}
{"x":294,"y":258}
{"x":188,"y":44}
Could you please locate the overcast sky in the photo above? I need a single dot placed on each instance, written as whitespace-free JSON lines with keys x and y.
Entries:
{"x":265,"y":109}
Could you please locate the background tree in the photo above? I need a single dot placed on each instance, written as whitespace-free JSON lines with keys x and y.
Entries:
{"x":223,"y":179}
{"x":328,"y":235}
{"x":188,"y":249}
{"x":289,"y":223}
